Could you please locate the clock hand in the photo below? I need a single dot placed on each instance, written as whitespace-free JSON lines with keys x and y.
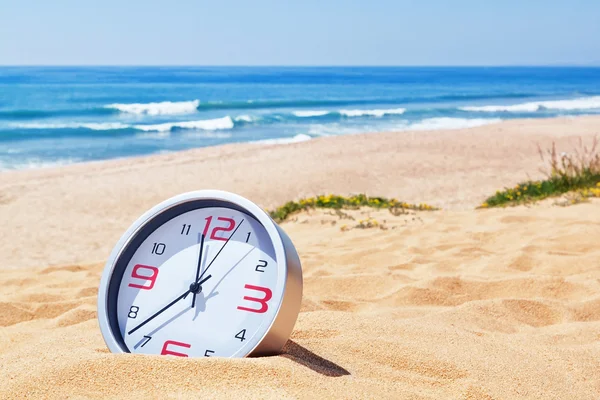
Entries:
{"x":221,"y":249}
{"x":156,"y":314}
{"x":194,"y":287}
{"x":198,"y":270}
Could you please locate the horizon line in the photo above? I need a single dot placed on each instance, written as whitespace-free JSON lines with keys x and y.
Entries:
{"x":558,"y":65}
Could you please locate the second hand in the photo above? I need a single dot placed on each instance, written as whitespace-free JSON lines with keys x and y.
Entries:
{"x":200,"y":281}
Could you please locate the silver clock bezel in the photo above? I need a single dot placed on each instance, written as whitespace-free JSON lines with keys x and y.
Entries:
{"x":289,"y":276}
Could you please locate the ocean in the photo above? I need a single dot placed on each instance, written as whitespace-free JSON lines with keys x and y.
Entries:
{"x":62,"y":115}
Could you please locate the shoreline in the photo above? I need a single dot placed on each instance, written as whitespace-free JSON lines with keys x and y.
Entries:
{"x":585,"y":121}
{"x":96,"y":201}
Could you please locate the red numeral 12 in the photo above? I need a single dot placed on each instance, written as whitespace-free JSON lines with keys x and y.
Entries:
{"x":263,"y":302}
{"x":135,"y":273}
{"x":166,"y":352}
{"x":213,"y":234}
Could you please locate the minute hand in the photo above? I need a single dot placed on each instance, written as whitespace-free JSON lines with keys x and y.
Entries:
{"x":156,"y":314}
{"x":221,"y":249}
{"x":200,"y":281}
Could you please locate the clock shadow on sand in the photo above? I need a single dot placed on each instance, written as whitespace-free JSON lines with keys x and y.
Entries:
{"x":302,"y":355}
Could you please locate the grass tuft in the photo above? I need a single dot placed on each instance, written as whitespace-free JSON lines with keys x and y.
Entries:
{"x":566,"y":172}
{"x":340,"y":202}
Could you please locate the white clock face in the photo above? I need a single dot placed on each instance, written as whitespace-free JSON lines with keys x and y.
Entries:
{"x":204,"y":283}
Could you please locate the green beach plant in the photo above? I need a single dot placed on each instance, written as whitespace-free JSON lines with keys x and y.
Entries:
{"x":342,"y":202}
{"x":566,"y":172}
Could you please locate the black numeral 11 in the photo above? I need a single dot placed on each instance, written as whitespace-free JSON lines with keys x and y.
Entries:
{"x":185,"y":230}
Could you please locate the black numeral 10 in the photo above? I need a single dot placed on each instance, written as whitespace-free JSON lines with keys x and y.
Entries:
{"x":158,"y":248}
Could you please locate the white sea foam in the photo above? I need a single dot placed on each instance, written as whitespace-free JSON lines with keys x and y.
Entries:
{"x":162,"y":108}
{"x":450,"y":123}
{"x":95,"y":126}
{"x":153,"y":135}
{"x":207,"y":134}
{"x":583,"y":103}
{"x":372,"y":113}
{"x":205,"y":124}
{"x":35,"y":163}
{"x":335,"y":128}
{"x":310,"y":113}
{"x":525,"y":107}
{"x":245,"y":118}
{"x":298,"y":138}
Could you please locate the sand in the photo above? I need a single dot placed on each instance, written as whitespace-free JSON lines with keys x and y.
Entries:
{"x":452,"y":304}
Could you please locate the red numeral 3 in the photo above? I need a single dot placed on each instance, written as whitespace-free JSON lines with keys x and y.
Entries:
{"x":263,"y":302}
{"x":167,"y":352}
{"x":213,"y":235}
{"x":135,"y":273}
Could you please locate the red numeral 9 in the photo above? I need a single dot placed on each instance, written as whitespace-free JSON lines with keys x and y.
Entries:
{"x":263,"y":302}
{"x":166,"y":352}
{"x":135,"y":273}
{"x":213,"y":235}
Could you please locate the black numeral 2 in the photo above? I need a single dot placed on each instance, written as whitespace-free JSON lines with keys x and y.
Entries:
{"x":261,"y":265}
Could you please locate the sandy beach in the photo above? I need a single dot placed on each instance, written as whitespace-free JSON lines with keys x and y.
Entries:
{"x":451,"y":304}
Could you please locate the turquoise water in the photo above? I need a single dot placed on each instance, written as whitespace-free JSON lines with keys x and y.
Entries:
{"x":60,"y":115}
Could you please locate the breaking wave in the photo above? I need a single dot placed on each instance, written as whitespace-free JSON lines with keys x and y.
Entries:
{"x":296,"y":139}
{"x":372,"y":113}
{"x":450,"y":123}
{"x":162,"y":108}
{"x":208,"y":124}
{"x":583,"y":103}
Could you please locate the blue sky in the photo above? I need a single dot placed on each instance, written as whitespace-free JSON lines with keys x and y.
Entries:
{"x":301,"y":32}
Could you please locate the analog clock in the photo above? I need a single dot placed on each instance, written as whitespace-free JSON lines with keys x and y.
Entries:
{"x":203,"y":274}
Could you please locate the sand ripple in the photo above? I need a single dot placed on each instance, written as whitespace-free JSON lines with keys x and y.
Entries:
{"x":494,"y":304}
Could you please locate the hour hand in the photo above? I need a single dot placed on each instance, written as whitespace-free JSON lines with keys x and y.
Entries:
{"x":182,"y":296}
{"x":196,"y":287}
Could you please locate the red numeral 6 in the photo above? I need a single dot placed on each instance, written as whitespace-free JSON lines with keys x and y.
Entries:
{"x":166,"y":352}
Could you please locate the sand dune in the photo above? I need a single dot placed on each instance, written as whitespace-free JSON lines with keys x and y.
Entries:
{"x":493,"y":304}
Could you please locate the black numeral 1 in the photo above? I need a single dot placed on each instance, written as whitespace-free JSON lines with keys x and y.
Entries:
{"x":208,"y":351}
{"x":185,"y":230}
{"x":158,"y":248}
{"x":241,"y":335}
{"x":248,"y":237}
